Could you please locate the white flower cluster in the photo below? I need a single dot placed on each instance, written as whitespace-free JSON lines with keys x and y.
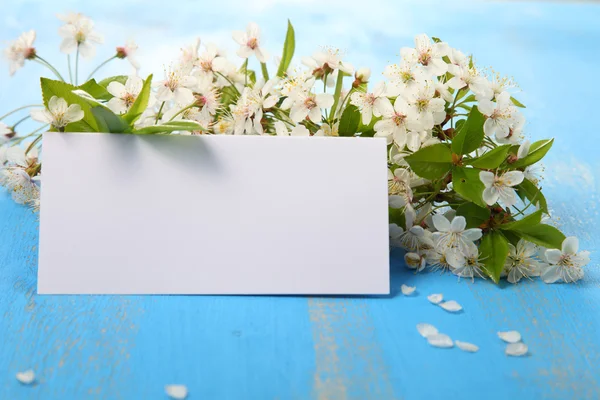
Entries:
{"x":459,"y":168}
{"x":444,"y":244}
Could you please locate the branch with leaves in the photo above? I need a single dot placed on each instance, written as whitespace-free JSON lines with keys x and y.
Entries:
{"x":464,"y":183}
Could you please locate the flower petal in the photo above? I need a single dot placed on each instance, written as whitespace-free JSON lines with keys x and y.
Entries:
{"x":26,"y":377}
{"x":510,"y":336}
{"x":458,"y":224}
{"x":516,"y":349}
{"x":426,"y":330}
{"x":487,"y":178}
{"x":435,"y":298}
{"x":570,"y":245}
{"x":407,"y":290}
{"x":441,"y":223}
{"x":451,"y":306}
{"x":178,"y":392}
{"x":440,"y":340}
{"x":465,"y":346}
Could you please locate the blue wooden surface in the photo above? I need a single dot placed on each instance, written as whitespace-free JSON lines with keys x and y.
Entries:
{"x":118,"y":347}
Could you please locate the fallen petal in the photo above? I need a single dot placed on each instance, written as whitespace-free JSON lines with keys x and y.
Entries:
{"x":427,"y":330}
{"x":440,"y":340}
{"x":465,"y":346}
{"x":178,"y":392}
{"x":407,"y":290}
{"x":516,"y":349}
{"x":435,"y":298}
{"x":451,"y":306}
{"x":510,"y":336}
{"x":26,"y":377}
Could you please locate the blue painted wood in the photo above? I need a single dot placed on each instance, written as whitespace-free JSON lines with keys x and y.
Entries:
{"x":114,"y":347}
{"x":291,"y":347}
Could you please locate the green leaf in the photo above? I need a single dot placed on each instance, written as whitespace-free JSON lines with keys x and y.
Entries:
{"x":527,"y":221}
{"x":338,"y":91}
{"x":349,"y":121}
{"x":109,"y":121}
{"x":492,"y":159}
{"x":528,"y":190}
{"x":431,"y":162}
{"x":122,"y":79}
{"x":81,"y":126}
{"x":493,"y":251}
{"x":171,"y":126}
{"x":537,"y":151}
{"x":517,"y":102}
{"x":512,"y":237}
{"x":474,"y":214}
{"x":140,"y":104}
{"x":470,"y":136}
{"x":396,"y":216}
{"x":288,"y":50}
{"x":467,"y":184}
{"x":95,"y":90}
{"x":64,"y":90}
{"x":542,"y":235}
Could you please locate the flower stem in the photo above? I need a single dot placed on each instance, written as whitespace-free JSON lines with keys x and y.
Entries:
{"x":19,"y":121}
{"x":245,"y":66}
{"x":265,"y":72}
{"x":338,"y":91}
{"x":21,"y":138}
{"x":47,"y":64}
{"x":19,"y":109}
{"x":158,"y":113}
{"x":230,"y":82}
{"x":77,"y":66}
{"x":36,"y":140}
{"x":100,"y":66}
{"x":70,"y":72}
{"x":182,"y":110}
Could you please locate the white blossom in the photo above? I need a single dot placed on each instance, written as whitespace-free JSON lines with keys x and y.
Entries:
{"x":428,"y":54}
{"x":500,"y":188}
{"x":521,"y":261}
{"x":20,"y":50}
{"x":249,"y":42}
{"x":566,"y":264}
{"x":129,"y":52}
{"x":79,"y":34}
{"x":372,"y":104}
{"x":396,"y":122}
{"x":176,"y":86}
{"x":124,"y":95}
{"x":58,"y":114}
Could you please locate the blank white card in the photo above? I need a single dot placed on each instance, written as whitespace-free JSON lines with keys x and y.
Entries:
{"x":157,"y":214}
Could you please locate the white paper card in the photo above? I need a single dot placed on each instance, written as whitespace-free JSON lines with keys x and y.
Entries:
{"x":133,"y":214}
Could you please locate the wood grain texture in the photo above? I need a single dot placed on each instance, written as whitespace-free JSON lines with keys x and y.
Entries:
{"x":123,"y":347}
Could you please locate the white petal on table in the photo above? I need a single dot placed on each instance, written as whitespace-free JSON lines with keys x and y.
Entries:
{"x":451,"y":306}
{"x":440,"y":340}
{"x":407,"y":290}
{"x":465,"y":346}
{"x":426,"y":330}
{"x":516,"y":349}
{"x":178,"y":392}
{"x":510,"y":336}
{"x":26,"y":377}
{"x":435,"y":298}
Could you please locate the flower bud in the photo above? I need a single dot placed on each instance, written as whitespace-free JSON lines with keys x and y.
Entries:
{"x":121,"y":52}
{"x":363,"y":74}
{"x":414,"y":261}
